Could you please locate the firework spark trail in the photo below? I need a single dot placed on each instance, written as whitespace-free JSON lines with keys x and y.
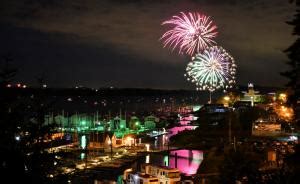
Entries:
{"x":192,"y":33}
{"x":212,"y":70}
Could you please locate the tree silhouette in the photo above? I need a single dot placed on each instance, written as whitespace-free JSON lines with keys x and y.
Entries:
{"x":240,"y":165}
{"x":11,"y":155}
{"x":7,"y":71}
{"x":22,"y":132}
{"x":293,"y":53}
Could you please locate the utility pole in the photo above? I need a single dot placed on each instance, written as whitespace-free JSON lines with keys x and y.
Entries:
{"x":229,"y":127}
{"x":169,"y":152}
{"x":86,"y":159}
{"x":167,"y":139}
{"x":111,"y":150}
{"x":234,"y":144}
{"x":111,"y":144}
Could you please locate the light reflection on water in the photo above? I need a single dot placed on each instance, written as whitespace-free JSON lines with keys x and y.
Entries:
{"x":188,"y":161}
{"x":176,"y":130}
{"x":82,"y":156}
{"x":187,"y":120}
{"x":161,"y":142}
{"x":184,"y":125}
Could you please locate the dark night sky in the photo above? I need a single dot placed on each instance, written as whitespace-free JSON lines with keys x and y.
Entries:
{"x":101,"y":43}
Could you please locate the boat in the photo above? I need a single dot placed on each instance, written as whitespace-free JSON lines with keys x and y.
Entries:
{"x":141,"y":178}
{"x":152,"y":174}
{"x":156,"y":133}
{"x":164,"y":174}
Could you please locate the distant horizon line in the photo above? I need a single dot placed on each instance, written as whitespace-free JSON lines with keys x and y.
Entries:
{"x":130,"y":88}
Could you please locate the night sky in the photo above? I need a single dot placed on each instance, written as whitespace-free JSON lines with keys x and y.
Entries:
{"x":102,"y":43}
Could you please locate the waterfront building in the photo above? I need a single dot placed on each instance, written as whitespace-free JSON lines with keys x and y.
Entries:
{"x":88,"y":130}
{"x":134,"y":123}
{"x":150,"y":122}
{"x":102,"y":140}
{"x":118,"y":124}
{"x":212,"y":115}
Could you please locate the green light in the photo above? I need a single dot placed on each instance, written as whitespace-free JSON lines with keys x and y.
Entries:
{"x":121,"y":126}
{"x":83,"y":123}
{"x":83,"y":142}
{"x":137,"y":123}
{"x":196,"y":107}
{"x":166,"y":160}
{"x":120,"y":179}
{"x":82,"y":156}
{"x":119,"y":134}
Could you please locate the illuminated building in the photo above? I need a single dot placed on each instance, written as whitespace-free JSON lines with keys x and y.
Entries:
{"x":102,"y":140}
{"x":150,"y":122}
{"x":266,"y":128}
{"x":251,"y":95}
{"x":134,"y":123}
{"x":98,"y":133}
{"x":118,"y":123}
{"x":212,"y":115}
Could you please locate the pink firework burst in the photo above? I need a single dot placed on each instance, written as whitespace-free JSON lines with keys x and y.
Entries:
{"x":192,"y":33}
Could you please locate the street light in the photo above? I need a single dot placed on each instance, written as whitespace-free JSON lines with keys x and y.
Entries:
{"x":283,"y":97}
{"x":17,"y":138}
{"x":226,"y":99}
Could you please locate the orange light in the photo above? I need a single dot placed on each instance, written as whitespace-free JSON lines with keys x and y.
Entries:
{"x":227,"y":98}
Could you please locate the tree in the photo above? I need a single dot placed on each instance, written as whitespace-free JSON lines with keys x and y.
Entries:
{"x":293,"y":53}
{"x":11,"y":155}
{"x":40,"y":163}
{"x":240,"y":165}
{"x":289,"y":172}
{"x":22,"y":132}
